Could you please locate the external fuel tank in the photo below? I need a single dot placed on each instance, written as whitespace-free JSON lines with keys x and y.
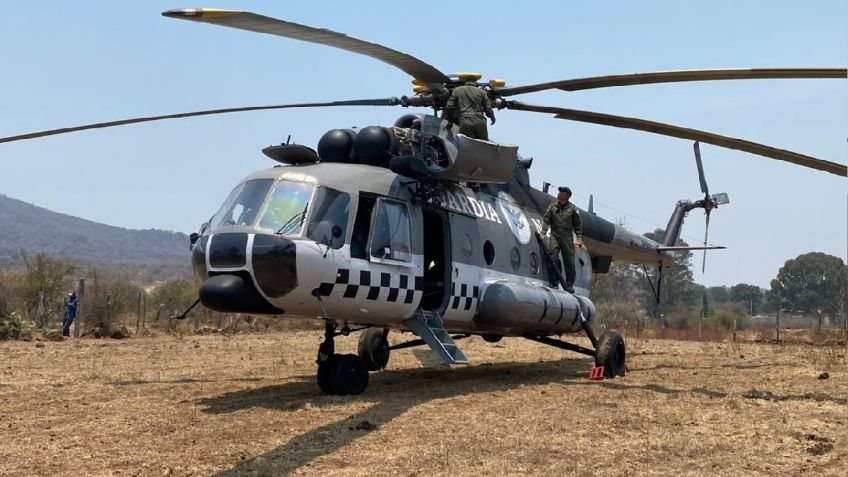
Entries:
{"x":535,"y":308}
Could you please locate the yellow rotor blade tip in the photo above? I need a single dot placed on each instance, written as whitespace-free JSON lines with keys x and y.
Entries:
{"x":198,"y":12}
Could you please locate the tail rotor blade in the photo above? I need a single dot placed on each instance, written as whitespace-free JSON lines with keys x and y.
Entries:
{"x":706,"y":234}
{"x":704,"y":188}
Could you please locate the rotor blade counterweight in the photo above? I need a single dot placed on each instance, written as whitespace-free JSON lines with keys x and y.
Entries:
{"x":272,"y":26}
{"x":684,"y":133}
{"x":122,"y":122}
{"x":632,"y":79}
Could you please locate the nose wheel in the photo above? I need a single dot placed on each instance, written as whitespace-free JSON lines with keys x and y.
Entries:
{"x":339,"y":374}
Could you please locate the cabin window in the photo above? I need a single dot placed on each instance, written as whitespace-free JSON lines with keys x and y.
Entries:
{"x":242,"y":206}
{"x":489,"y":252}
{"x":534,"y":263}
{"x":329,"y":217}
{"x":390,"y":236}
{"x":287,"y":207}
{"x":515,"y":258}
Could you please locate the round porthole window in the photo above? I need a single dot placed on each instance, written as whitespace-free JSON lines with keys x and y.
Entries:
{"x":489,"y":252}
{"x":515,"y":258}
{"x":534,"y":263}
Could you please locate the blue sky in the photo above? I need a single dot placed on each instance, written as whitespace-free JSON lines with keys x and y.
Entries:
{"x":69,"y":63}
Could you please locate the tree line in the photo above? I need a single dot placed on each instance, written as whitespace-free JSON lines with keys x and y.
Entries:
{"x":813,"y":284}
{"x":39,"y":292}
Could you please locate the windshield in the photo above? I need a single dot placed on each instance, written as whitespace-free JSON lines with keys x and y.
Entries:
{"x":243,"y":204}
{"x":287,"y":207}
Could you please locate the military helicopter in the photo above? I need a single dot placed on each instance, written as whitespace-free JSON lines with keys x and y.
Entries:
{"x":415,"y":227}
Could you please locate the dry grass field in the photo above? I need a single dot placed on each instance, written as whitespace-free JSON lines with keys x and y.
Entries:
{"x":249,"y":405}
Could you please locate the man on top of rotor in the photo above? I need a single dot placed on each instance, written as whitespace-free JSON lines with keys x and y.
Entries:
{"x":466,"y":106}
{"x":563,"y":218}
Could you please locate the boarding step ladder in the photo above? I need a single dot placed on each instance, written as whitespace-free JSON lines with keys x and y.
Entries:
{"x":428,"y":325}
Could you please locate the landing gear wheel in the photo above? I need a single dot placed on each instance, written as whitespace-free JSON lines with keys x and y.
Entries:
{"x":325,"y":374}
{"x":611,"y":354}
{"x":374,"y":348}
{"x":349,"y":375}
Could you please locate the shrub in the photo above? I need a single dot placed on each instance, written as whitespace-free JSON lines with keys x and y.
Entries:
{"x":722,"y":316}
{"x":13,"y":327}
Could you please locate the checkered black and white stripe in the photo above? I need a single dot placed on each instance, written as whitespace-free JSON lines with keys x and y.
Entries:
{"x":401,"y":287}
{"x":468,"y":296}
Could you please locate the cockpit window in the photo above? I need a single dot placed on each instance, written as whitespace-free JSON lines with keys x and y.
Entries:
{"x":287,"y":207}
{"x":243,"y":204}
{"x":328,"y":220}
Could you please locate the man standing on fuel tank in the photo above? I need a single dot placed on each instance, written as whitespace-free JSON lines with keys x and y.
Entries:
{"x":563,"y":220}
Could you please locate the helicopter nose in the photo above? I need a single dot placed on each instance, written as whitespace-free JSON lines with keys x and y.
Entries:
{"x":274,"y":261}
{"x":234,"y":293}
{"x":228,"y":250}
{"x":257,"y":268}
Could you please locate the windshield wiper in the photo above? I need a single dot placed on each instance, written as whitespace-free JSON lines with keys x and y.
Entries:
{"x":291,"y":222}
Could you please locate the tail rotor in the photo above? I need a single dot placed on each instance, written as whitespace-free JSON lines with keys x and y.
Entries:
{"x":709,"y":203}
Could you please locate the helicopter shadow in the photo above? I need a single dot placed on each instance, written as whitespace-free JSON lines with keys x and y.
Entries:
{"x":393,"y":393}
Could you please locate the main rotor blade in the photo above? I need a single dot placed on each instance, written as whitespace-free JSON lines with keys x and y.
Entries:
{"x":272,"y":26}
{"x":704,"y":189}
{"x":121,"y":122}
{"x":631,"y":79}
{"x":684,"y":133}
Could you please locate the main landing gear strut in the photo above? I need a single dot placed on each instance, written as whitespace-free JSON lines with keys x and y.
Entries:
{"x":342,"y":374}
{"x":609,"y":352}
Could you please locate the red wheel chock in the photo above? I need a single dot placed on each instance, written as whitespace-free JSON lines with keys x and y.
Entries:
{"x":596,"y":373}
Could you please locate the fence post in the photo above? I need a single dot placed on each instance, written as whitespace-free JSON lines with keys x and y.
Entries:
{"x":777,"y":325}
{"x":734,"y":329}
{"x":138,"y":317}
{"x":80,"y":307}
{"x":143,"y":308}
{"x":109,"y":309}
{"x":40,"y":316}
{"x":159,"y":314}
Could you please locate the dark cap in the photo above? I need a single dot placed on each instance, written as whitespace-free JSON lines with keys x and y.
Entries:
{"x":565,"y":189}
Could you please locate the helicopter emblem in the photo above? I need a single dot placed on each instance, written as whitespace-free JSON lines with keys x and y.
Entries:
{"x":515,"y":217}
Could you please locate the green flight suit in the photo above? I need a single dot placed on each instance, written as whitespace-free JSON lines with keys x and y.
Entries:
{"x":468,"y":106}
{"x":563,"y":220}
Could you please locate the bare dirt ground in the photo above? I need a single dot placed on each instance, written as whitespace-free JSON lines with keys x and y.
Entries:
{"x":249,"y":405}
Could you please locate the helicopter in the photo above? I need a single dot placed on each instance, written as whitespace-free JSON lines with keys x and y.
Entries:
{"x":415,"y":227}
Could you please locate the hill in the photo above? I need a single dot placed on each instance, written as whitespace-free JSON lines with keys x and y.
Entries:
{"x":140,"y":255}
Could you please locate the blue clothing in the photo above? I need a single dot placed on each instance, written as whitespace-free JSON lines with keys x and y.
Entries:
{"x":70,"y":314}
